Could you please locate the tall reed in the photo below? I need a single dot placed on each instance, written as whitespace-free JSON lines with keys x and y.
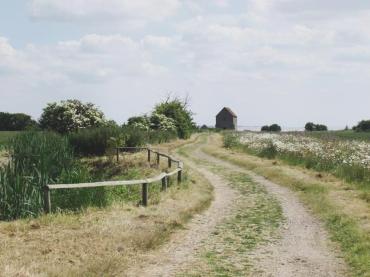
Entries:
{"x":36,"y":159}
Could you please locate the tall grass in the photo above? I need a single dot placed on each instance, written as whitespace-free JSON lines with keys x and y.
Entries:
{"x":36,"y":160}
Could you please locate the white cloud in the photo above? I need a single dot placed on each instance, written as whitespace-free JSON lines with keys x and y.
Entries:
{"x":93,"y":58}
{"x":103,"y":9}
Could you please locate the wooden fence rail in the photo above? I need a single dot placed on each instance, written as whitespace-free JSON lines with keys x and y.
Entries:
{"x":164,"y":177}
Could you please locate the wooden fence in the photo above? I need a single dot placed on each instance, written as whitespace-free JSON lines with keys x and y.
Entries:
{"x":163,"y":177}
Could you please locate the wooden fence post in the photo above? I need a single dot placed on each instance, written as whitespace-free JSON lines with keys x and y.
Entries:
{"x":145,"y":194}
{"x":149,"y":155}
{"x":164,"y":183}
{"x":179,"y":176}
{"x":158,"y":158}
{"x":47,"y":201}
{"x":117,"y":153}
{"x":169,"y":162}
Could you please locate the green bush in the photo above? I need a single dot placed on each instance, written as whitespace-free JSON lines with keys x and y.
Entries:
{"x":231,"y":139}
{"x":178,"y":111}
{"x":95,"y":141}
{"x":269,"y":152}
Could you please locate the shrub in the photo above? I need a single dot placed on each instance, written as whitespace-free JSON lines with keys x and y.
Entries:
{"x":231,"y":139}
{"x":269,"y":152}
{"x":96,"y":141}
{"x":71,"y":115}
{"x":178,"y":111}
{"x":16,"y":122}
{"x":162,"y":122}
{"x":139,"y":122}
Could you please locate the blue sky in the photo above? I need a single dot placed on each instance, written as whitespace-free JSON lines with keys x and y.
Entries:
{"x":284,"y":61}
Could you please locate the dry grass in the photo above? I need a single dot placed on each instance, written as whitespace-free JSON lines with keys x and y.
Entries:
{"x":99,"y":242}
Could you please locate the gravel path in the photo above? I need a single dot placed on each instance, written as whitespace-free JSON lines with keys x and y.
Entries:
{"x":303,"y":248}
{"x":179,"y":252}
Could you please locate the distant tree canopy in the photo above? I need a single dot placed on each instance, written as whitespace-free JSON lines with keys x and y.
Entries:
{"x":271,"y":128}
{"x":71,"y":115}
{"x":181,"y":115}
{"x":311,"y":127}
{"x":16,"y":122}
{"x":362,"y":126}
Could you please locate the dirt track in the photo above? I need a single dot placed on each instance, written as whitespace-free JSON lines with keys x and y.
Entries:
{"x":302,"y":250}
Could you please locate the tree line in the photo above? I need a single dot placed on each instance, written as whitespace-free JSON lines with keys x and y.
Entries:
{"x":72,"y":115}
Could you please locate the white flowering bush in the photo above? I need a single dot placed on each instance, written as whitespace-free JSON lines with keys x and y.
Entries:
{"x":162,"y":122}
{"x":71,"y":115}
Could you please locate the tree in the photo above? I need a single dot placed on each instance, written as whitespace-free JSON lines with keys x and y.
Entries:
{"x":321,"y":127}
{"x":275,"y":128}
{"x":177,"y":110}
{"x":71,"y":115}
{"x":271,"y":128}
{"x":309,"y":127}
{"x":16,"y":122}
{"x":265,"y":128}
{"x":363,"y":126}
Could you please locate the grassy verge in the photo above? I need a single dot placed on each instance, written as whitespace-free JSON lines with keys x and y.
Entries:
{"x":345,"y":214}
{"x":99,"y":242}
{"x":254,"y":220}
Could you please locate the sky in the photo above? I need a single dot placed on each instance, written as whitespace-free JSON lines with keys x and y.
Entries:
{"x":270,"y":61}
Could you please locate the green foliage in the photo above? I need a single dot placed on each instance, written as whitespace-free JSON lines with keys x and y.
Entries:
{"x":98,"y":141}
{"x":37,"y":159}
{"x":162,"y":122}
{"x":95,"y":141}
{"x":363,"y":126}
{"x":6,"y":136}
{"x":178,"y":111}
{"x":271,"y":128}
{"x":269,"y":152}
{"x":16,"y":122}
{"x":139,"y":122}
{"x":311,"y":127}
{"x":231,"y":139}
{"x":265,"y":128}
{"x":71,"y":115}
